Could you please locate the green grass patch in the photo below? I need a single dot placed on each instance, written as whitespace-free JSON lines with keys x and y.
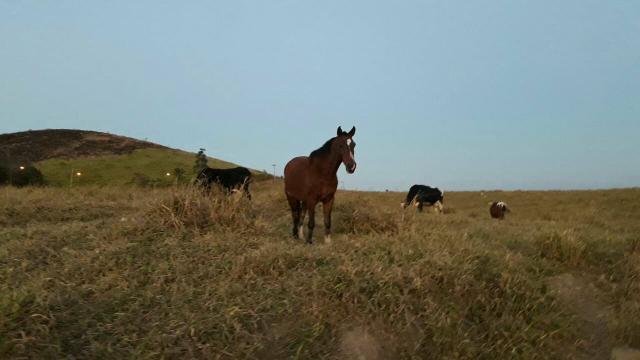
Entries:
{"x":151,"y":165}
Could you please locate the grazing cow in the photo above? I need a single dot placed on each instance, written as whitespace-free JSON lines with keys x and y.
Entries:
{"x":425,"y":195}
{"x":231,"y":179}
{"x":497,"y":209}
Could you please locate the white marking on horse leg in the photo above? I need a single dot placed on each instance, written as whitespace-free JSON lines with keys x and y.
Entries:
{"x":327,"y":239}
{"x":301,"y":232}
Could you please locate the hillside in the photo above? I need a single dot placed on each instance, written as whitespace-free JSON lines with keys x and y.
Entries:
{"x":38,"y":145}
{"x":142,"y":165}
{"x":100,"y":158}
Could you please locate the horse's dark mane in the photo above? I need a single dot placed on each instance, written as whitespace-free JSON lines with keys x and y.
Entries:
{"x":323,"y":150}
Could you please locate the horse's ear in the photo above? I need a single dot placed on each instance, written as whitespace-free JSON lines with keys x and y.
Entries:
{"x":340,"y":130}
{"x":353,"y":131}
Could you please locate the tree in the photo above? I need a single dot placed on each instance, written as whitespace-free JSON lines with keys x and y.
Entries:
{"x":29,"y":176}
{"x":201,"y":161}
{"x":4,"y":174}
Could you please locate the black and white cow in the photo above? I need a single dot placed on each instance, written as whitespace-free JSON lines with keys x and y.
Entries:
{"x":421,"y":195}
{"x":231,"y":179}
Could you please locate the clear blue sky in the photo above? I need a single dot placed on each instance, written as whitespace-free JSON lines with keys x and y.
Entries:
{"x":457,"y":94}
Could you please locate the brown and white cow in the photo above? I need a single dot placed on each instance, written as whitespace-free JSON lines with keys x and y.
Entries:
{"x":497,"y":209}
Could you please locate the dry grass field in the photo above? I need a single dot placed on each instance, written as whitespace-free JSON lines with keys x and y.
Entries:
{"x":116,"y":273}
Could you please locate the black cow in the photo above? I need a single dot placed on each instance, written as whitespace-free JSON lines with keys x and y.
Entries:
{"x":231,"y":179}
{"x":425,"y":195}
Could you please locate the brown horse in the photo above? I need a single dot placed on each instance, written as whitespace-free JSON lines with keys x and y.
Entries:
{"x":311,"y":179}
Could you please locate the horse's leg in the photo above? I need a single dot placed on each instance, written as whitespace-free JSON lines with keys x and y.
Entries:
{"x":327,"y":205}
{"x":311,"y":209}
{"x":303,"y":212}
{"x":295,"y":214}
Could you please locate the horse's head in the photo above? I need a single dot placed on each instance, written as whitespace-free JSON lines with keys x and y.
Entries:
{"x":345,"y":146}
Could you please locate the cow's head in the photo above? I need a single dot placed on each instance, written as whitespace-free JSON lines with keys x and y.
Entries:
{"x":501,"y":205}
{"x":346,"y":148}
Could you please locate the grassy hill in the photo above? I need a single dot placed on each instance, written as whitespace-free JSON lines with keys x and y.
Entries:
{"x":119,"y":272}
{"x":102,"y":159}
{"x":152,"y":164}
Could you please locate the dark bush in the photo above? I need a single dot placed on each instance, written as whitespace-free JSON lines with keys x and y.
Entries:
{"x":20,"y":176}
{"x":29,"y":176}
{"x":4,"y":174}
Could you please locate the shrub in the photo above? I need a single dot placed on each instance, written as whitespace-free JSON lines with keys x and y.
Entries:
{"x":4,"y":174}
{"x":191,"y":208}
{"x":363,"y":218}
{"x":566,"y":247}
{"x":29,"y":176}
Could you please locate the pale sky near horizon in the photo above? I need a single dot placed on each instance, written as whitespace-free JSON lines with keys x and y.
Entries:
{"x":463,"y":95}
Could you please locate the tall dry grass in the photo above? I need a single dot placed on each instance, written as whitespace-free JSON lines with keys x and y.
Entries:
{"x":191,"y":208}
{"x":142,"y":273}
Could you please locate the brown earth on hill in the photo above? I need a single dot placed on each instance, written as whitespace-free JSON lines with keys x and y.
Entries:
{"x":37,"y":145}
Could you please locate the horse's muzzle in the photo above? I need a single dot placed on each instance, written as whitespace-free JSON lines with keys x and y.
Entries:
{"x":351,"y":168}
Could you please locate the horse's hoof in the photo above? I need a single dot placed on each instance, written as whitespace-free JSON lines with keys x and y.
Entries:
{"x":327,"y":239}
